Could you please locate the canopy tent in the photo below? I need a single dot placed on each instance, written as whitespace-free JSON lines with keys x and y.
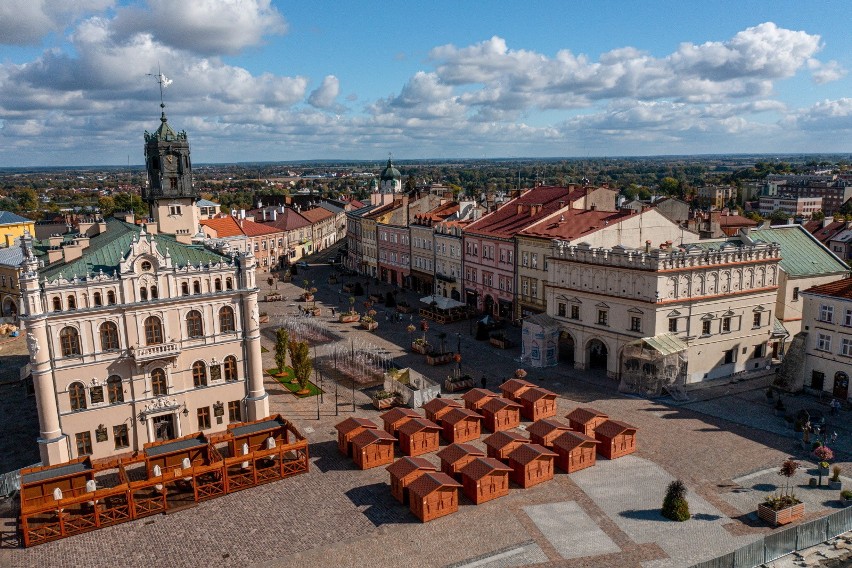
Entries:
{"x":540,"y":341}
{"x":442,"y":303}
{"x":653,"y":363}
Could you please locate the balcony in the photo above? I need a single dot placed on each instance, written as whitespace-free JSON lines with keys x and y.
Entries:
{"x":153,"y":352}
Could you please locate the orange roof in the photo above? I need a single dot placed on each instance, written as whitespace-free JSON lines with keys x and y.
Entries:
{"x":838,"y":288}
{"x":736,"y":221}
{"x":418,"y":425}
{"x":354,"y":423}
{"x":430,"y":482}
{"x":252,"y":229}
{"x":404,"y":467}
{"x":521,"y":212}
{"x":475,"y":395}
{"x":232,"y":227}
{"x":499,"y":440}
{"x":569,"y":440}
{"x":396,"y":414}
{"x":499,"y":403}
{"x":583,"y":414}
{"x":612,"y":428}
{"x":480,"y":467}
{"x":371,"y":436}
{"x":316,"y":214}
{"x":454,"y":452}
{"x":576,"y":223}
{"x":546,"y":426}
{"x":536,"y":393}
{"x":526,"y":453}
{"x":459,"y":414}
{"x":514,"y":385}
{"x":437,"y":404}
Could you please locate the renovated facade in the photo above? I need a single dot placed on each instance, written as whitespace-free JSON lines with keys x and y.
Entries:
{"x":828,"y":337}
{"x":266,"y":242}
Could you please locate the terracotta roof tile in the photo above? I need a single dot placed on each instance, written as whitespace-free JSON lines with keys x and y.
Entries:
{"x":584,"y":414}
{"x":577,"y":223}
{"x":252,"y":229}
{"x":499,"y":440}
{"x":317,"y":214}
{"x":354,"y":423}
{"x":437,"y":404}
{"x":507,"y":221}
{"x":569,"y":440}
{"x":480,"y":467}
{"x":499,"y":403}
{"x":395,"y":414}
{"x":404,"y":467}
{"x":838,"y":288}
{"x":546,"y":426}
{"x":371,"y":436}
{"x":525,"y":453}
{"x":430,"y":482}
{"x":537,"y":393}
{"x":232,"y":227}
{"x":514,"y":385}
{"x":418,"y":425}
{"x":459,"y":414}
{"x":454,"y":452}
{"x":612,"y":428}
{"x":475,"y":395}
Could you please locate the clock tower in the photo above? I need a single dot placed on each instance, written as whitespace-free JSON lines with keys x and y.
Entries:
{"x":169,"y":193}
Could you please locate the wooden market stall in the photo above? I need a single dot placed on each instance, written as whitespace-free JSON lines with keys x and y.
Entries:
{"x":396,"y":417}
{"x":544,"y":431}
{"x":537,"y":403}
{"x":531,"y":464}
{"x":576,"y":451}
{"x":438,"y":407}
{"x":456,"y":456}
{"x":462,"y":425}
{"x":475,"y":399}
{"x":585,"y":419}
{"x":403,"y":472}
{"x":501,"y":444}
{"x":433,"y":495}
{"x":350,"y":428}
{"x":501,"y":414}
{"x":276,"y":449}
{"x":616,"y":439}
{"x":484,"y":479}
{"x":419,"y":436}
{"x":372,"y":448}
{"x":514,"y":388}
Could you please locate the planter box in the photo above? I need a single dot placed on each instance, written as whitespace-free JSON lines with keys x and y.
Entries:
{"x":845,"y":502}
{"x":439,"y":359}
{"x":349,"y":318}
{"x":836,"y":485}
{"x":457,"y":385}
{"x":782,"y":517}
{"x":404,"y":309}
{"x":273,"y":297}
{"x":500,"y":343}
{"x":316,"y":312}
{"x":370,"y":325}
{"x":422,"y":348}
{"x":385,"y":403}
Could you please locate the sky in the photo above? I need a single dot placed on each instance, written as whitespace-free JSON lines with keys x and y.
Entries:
{"x":267,"y":80}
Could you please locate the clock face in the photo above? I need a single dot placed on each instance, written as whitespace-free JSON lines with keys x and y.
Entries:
{"x":169,"y":163}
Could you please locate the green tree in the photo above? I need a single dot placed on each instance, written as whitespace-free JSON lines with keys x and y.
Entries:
{"x":131,"y":202}
{"x":817,"y":216}
{"x":303,"y":367}
{"x":282,"y":338}
{"x":675,"y":506}
{"x":779,"y":216}
{"x":410,"y":184}
{"x":107,"y":206}
{"x":669,"y":186}
{"x":27,"y":199}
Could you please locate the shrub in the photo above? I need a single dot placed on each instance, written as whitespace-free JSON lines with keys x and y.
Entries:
{"x":778,"y":502}
{"x":835,"y":473}
{"x":846,"y":494}
{"x":824,"y":454}
{"x":675,"y":506}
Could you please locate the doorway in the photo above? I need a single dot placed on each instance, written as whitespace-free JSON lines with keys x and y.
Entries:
{"x":597,"y":354}
{"x":164,"y":427}
{"x":566,"y":348}
{"x":841,"y":385}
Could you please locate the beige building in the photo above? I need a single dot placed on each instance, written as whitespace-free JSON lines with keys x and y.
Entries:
{"x":10,"y":290}
{"x":828,"y":337}
{"x":448,"y":259}
{"x":656,"y":316}
{"x":716,"y":196}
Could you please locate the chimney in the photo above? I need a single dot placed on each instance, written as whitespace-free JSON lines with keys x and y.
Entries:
{"x":827,"y":220}
{"x":53,"y":255}
{"x":520,"y":208}
{"x":242,"y":213}
{"x":72,"y":252}
{"x":274,"y":214}
{"x":264,"y":214}
{"x":648,"y":246}
{"x":128,"y":217}
{"x":151,"y":227}
{"x":233,"y":212}
{"x":54,"y":240}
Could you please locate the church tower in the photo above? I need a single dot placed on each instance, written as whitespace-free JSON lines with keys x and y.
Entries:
{"x":391,"y":179}
{"x":169,"y":194}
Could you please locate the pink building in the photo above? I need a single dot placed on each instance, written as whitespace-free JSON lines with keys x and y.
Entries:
{"x":394,"y":254}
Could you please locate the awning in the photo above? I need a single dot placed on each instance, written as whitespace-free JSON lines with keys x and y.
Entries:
{"x":778,"y":329}
{"x":442,"y":303}
{"x":665,"y":343}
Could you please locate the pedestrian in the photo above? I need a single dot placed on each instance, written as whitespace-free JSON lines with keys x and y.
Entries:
{"x":333,"y":313}
{"x":483,"y":381}
{"x":806,"y":433}
{"x":833,"y":437}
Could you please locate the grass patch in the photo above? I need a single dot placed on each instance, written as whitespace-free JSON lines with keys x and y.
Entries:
{"x":313,"y":390}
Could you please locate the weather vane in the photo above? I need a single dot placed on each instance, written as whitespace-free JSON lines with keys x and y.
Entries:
{"x":162,"y":81}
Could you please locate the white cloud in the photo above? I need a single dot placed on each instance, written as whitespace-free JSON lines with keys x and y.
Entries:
{"x":325,"y":95}
{"x":26,"y":22}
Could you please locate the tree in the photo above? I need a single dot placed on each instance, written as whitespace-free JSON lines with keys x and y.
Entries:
{"x":410,"y":185}
{"x":107,"y":206}
{"x":282,"y":338}
{"x":303,"y":367}
{"x":27,"y":199}
{"x":817,"y":216}
{"x":675,"y":506}
{"x":779,"y":216}
{"x":669,"y":186}
{"x":131,"y":202}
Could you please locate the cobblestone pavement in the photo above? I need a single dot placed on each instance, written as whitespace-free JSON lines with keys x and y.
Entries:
{"x":339,"y":516}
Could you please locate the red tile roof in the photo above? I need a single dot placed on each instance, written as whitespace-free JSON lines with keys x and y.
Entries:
{"x":459,"y":414}
{"x":824,"y":234}
{"x":525,"y":453}
{"x":736,"y":221}
{"x":545,"y":426}
{"x":430,"y":482}
{"x":499,"y":403}
{"x":569,"y":440}
{"x":437,"y":404}
{"x":583,"y":414}
{"x":499,"y":440}
{"x":521,"y":212}
{"x":480,"y":467}
{"x":536,"y":393}
{"x":415,"y":425}
{"x":838,"y":289}
{"x":354,"y":423}
{"x":252,"y":229}
{"x":231,"y":227}
{"x":316,"y":214}
{"x":371,"y":436}
{"x":612,"y":428}
{"x":577,"y":223}
{"x":395,"y":414}
{"x":514,"y":385}
{"x":454,"y":452}
{"x":404,"y":467}
{"x":475,"y":395}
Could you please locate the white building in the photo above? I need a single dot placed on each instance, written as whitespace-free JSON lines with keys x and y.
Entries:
{"x":827,"y":326}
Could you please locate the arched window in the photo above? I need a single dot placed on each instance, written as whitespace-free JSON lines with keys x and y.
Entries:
{"x":194,"y":327}
{"x":110,"y":297}
{"x":154,"y":294}
{"x":98,"y":299}
{"x":72,"y":303}
{"x":143,"y":293}
{"x":153,"y":331}
{"x":114,"y":389}
{"x":109,"y":336}
{"x":158,"y":382}
{"x":184,"y":289}
{"x":229,"y":284}
{"x":230,"y":368}
{"x":199,"y":374}
{"x":226,"y":319}
{"x":77,"y":394}
{"x":218,"y":284}
{"x":196,"y":287}
{"x":69,"y":340}
{"x":57,"y":304}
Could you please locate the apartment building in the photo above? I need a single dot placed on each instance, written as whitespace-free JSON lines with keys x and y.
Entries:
{"x":827,"y":324}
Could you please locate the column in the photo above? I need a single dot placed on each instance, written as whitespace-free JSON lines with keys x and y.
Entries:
{"x":53,"y":444}
{"x":257,"y":402}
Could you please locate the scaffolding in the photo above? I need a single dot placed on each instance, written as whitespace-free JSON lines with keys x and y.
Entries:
{"x":652,"y":364}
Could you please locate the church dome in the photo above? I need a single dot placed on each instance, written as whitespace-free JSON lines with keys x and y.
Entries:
{"x":390,"y":172}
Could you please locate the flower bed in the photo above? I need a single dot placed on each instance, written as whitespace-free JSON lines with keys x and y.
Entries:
{"x":453,"y":384}
{"x":349,"y":318}
{"x":439,"y":358}
{"x":420,"y":346}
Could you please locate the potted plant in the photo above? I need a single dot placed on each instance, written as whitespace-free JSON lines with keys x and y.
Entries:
{"x":420,"y":345}
{"x":308,"y":294}
{"x":352,"y":315}
{"x":824,"y":455}
{"x":846,"y":497}
{"x":384,"y":399}
{"x":302,"y":368}
{"x":369,"y":322}
{"x":834,"y":482}
{"x":675,"y":506}
{"x":282,"y":338}
{"x":782,"y":508}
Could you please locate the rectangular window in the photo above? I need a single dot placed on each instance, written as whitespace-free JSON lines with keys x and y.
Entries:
{"x":823,"y":342}
{"x":672,"y":325}
{"x":535,"y":261}
{"x":635,"y":324}
{"x":525,"y":287}
{"x":204,"y":418}
{"x":759,"y":350}
{"x":575,"y":312}
{"x":705,"y":328}
{"x":603,"y":316}
{"x":847,"y":318}
{"x":796,"y":294}
{"x":846,"y":347}
{"x":119,"y":434}
{"x":826,"y":314}
{"x":817,"y":380}
{"x":561,"y":310}
{"x":84,"y":443}
{"x":534,"y":285}
{"x":525,"y":259}
{"x":726,"y":325}
{"x":756,"y":320}
{"x":545,"y":264}
{"x":730,"y":356}
{"x":234,"y":412}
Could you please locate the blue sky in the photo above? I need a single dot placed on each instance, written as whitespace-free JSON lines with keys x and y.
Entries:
{"x":260,"y":80}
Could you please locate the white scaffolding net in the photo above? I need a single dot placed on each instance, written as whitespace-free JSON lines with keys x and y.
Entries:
{"x":652,"y":364}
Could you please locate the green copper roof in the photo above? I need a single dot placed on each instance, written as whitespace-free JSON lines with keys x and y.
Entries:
{"x":390,"y":172}
{"x":107,"y":250}
{"x":165,"y":132}
{"x":801,"y":253}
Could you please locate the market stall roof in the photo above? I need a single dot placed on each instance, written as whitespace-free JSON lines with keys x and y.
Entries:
{"x":442,"y":303}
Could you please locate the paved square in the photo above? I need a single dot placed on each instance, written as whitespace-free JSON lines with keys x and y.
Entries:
{"x":570,"y":530}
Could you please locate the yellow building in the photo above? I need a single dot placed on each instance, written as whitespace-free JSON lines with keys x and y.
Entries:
{"x":13,"y":227}
{"x":10,"y":291}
